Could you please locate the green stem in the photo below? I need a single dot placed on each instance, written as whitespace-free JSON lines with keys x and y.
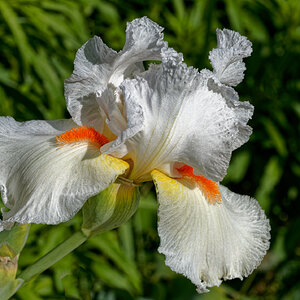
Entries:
{"x":54,"y":256}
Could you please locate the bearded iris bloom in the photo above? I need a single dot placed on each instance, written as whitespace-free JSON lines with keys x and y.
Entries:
{"x":171,"y":124}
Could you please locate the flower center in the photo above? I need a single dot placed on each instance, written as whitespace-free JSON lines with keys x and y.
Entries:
{"x":82,"y":134}
{"x":209,"y":188}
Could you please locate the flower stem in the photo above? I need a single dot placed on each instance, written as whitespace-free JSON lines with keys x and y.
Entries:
{"x":53,"y":256}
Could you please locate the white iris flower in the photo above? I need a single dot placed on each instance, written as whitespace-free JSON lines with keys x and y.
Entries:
{"x":171,"y":124}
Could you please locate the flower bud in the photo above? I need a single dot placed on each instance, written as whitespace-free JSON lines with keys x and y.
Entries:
{"x":111,"y":208}
{"x":11,"y":244}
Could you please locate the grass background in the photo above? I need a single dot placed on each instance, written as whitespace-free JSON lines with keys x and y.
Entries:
{"x":39,"y":39}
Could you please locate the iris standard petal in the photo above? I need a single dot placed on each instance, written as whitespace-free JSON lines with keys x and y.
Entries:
{"x":242,"y":109}
{"x":96,"y":66}
{"x":46,"y":175}
{"x":92,"y":68}
{"x":144,"y":41}
{"x":176,"y":118}
{"x":228,"y":70}
{"x":209,"y":242}
{"x":226,"y":59}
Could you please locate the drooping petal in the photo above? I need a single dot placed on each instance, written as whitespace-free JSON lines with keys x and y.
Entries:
{"x":208,"y":242}
{"x":96,"y":66}
{"x":46,"y":175}
{"x":226,"y":59}
{"x":175,"y":117}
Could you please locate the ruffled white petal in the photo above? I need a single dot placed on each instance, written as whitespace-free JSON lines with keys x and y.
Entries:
{"x":134,"y":124}
{"x":144,"y":41}
{"x":175,"y":117}
{"x":96,"y":66}
{"x":228,"y":70}
{"x":243,"y":110}
{"x":226,"y":59}
{"x":42,"y":182}
{"x":209,"y":243}
{"x":92,"y":68}
{"x":113,"y":106}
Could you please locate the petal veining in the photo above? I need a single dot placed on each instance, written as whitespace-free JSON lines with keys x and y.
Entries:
{"x":177,"y":118}
{"x":44,"y":181}
{"x":97,"y":66}
{"x":209,"y":243}
{"x":228,"y":71}
{"x":226,"y":59}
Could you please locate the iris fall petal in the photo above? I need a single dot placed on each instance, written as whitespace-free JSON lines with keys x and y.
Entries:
{"x":44,"y":182}
{"x":208,"y":242}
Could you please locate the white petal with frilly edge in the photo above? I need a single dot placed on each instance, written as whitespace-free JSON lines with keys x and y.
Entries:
{"x":228,"y":70}
{"x":208,"y":243}
{"x":174,"y":117}
{"x":96,"y":66}
{"x":42,"y":182}
{"x":226,"y":59}
{"x":92,"y":68}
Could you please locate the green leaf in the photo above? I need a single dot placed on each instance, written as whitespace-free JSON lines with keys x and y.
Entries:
{"x":276,"y":137}
{"x":28,"y":291}
{"x":109,"y":275}
{"x":108,"y":244}
{"x":109,"y":12}
{"x":70,"y":286}
{"x":269,"y":180}
{"x":255,"y":27}
{"x":127,"y":239}
{"x":235,"y":14}
{"x":19,"y":35}
{"x":197,"y":13}
{"x":238,"y":166}
{"x":179,"y":9}
{"x":51,"y":83}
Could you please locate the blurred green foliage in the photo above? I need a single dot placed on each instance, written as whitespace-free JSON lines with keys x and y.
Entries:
{"x":39,"y":39}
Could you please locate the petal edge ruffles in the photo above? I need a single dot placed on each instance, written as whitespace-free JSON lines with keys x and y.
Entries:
{"x":205,"y":242}
{"x":97,"y":67}
{"x":177,"y":118}
{"x":42,"y":182}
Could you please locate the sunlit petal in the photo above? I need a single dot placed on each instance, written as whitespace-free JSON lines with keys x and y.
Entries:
{"x":209,"y":242}
{"x":97,"y":66}
{"x":175,"y":117}
{"x":226,"y":59}
{"x":46,"y":175}
{"x":228,"y":70}
{"x":92,"y":68}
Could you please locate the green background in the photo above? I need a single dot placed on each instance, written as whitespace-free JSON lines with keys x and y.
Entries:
{"x":39,"y":40}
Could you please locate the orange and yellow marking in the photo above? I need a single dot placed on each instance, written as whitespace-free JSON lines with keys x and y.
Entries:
{"x":82,"y":134}
{"x":209,"y":188}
